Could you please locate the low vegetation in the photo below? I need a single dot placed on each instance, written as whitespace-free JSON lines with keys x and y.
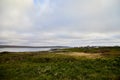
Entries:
{"x":59,"y":65}
{"x":111,"y":51}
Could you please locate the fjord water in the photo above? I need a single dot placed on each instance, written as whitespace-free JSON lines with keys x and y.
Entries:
{"x":23,"y":49}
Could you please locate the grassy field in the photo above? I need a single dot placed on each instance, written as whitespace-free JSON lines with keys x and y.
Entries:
{"x":67,"y":65}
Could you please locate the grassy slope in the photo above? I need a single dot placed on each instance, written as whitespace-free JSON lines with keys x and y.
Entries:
{"x":51,"y":66}
{"x":113,"y":51}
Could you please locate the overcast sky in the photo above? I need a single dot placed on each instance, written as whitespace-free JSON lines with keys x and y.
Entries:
{"x":60,"y":22}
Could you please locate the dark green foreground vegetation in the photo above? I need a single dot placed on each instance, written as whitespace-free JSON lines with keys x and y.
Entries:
{"x":52,"y":66}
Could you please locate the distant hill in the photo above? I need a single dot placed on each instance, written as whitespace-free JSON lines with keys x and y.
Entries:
{"x":16,"y":46}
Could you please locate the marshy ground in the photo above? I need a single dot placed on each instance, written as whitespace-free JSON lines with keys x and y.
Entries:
{"x":69,"y":64}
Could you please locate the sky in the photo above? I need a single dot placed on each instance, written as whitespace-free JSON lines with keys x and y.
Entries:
{"x":60,"y":22}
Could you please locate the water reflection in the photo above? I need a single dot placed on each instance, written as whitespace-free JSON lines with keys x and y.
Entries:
{"x":23,"y":49}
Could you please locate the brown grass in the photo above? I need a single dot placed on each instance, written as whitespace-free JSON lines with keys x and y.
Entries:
{"x":81,"y":54}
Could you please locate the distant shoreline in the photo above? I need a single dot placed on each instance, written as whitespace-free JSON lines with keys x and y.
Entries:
{"x":16,"y":46}
{"x":104,"y":50}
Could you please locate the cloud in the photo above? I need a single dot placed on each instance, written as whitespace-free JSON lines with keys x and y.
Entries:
{"x":14,"y":14}
{"x":51,"y":22}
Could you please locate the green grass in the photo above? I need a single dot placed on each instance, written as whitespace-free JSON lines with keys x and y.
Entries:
{"x":113,"y":51}
{"x":51,"y":66}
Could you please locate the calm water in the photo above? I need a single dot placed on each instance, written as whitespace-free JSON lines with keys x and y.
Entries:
{"x":23,"y":49}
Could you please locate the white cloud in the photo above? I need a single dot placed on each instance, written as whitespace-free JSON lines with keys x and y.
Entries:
{"x":68,"y":22}
{"x":14,"y":14}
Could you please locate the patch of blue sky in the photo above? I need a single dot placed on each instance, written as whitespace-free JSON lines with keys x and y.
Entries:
{"x":35,"y":2}
{"x":39,"y":2}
